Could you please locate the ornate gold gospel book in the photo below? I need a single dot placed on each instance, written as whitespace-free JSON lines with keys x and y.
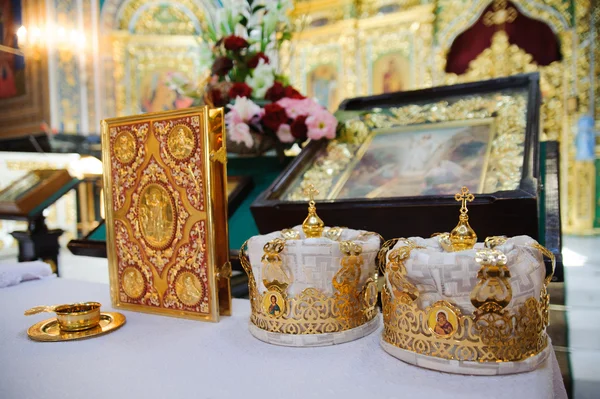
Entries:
{"x":166,"y":209}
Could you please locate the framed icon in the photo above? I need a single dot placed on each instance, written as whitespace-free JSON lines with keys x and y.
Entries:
{"x":442,"y":319}
{"x":273,"y":304}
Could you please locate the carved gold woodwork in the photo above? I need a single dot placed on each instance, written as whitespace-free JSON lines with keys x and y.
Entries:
{"x":504,"y":59}
{"x":143,"y":42}
{"x":184,"y":18}
{"x":351,"y":47}
{"x":138,"y":57}
{"x":411,"y":38}
{"x":563,"y":83}
{"x":324,"y":54}
{"x":314,"y":13}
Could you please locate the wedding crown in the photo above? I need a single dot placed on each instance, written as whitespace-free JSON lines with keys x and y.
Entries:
{"x":452,"y":306}
{"x":312,"y":285}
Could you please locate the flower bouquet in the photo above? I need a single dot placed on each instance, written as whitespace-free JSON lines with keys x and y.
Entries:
{"x":263,"y":110}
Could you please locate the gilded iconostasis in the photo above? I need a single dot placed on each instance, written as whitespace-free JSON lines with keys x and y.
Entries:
{"x":118,"y":57}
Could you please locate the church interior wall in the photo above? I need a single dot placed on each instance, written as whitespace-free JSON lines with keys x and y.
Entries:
{"x":342,"y":49}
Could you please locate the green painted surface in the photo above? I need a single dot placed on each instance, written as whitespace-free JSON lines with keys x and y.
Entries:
{"x":99,"y":234}
{"x":264,"y":171}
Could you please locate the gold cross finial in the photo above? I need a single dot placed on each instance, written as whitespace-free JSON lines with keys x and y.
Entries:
{"x":462,"y":236}
{"x":463,"y":197}
{"x":313,"y":225}
{"x":310,"y":191}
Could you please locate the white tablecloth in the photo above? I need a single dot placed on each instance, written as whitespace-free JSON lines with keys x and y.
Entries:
{"x":163,"y":357}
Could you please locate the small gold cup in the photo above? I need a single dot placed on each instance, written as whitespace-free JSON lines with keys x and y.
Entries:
{"x":72,"y":316}
{"x":78,"y":316}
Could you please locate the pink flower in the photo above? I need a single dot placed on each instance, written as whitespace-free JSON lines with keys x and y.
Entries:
{"x":240,"y":133}
{"x":294,"y":107}
{"x":240,"y":113}
{"x":284,"y":134}
{"x":232,"y":118}
{"x":244,"y":109}
{"x":321,"y":124}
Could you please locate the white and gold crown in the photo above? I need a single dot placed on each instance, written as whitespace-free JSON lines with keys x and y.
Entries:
{"x":312,"y":285}
{"x":452,"y":305}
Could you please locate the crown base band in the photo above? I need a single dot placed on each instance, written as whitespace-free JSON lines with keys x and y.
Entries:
{"x":466,"y":367}
{"x":315,"y":340}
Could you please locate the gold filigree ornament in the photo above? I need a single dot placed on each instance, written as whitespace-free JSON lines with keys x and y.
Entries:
{"x":493,"y":333}
{"x":290,"y":234}
{"x":220,"y":155}
{"x":323,"y":305}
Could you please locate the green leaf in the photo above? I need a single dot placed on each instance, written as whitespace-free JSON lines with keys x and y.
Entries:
{"x":212,"y":34}
{"x":286,"y":35}
{"x":284,"y":80}
{"x":231,"y":23}
{"x":224,"y":28}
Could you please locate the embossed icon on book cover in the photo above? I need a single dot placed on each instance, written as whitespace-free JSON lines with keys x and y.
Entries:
{"x":156,"y":215}
{"x":124,"y":147}
{"x":181,"y":142}
{"x":189,"y":289}
{"x":133,"y":282}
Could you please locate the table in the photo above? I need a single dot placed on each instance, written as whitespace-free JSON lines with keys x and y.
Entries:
{"x":161,"y":357}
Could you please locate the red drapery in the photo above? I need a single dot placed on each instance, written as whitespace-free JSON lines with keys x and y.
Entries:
{"x":533,"y":36}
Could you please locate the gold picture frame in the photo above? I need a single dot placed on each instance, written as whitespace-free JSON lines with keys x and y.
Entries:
{"x":424,"y":133}
{"x":166,"y":213}
{"x":508,"y":110}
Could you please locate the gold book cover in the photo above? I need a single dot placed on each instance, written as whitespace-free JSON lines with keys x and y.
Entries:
{"x":165,"y":185}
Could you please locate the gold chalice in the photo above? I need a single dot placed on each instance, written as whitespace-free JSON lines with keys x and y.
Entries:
{"x":73,"y":316}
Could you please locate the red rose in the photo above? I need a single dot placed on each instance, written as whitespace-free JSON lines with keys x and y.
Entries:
{"x":255,"y":59}
{"x":298,"y":127}
{"x":235,"y":43}
{"x":215,"y":96}
{"x":275,"y":92}
{"x":240,"y":90}
{"x":274,"y":116}
{"x":221,"y":66}
{"x":290,"y":92}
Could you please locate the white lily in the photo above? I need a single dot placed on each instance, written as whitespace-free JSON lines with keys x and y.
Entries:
{"x":261,"y":80}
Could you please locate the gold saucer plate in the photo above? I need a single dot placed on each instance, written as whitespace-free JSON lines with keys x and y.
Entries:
{"x":49,"y":330}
